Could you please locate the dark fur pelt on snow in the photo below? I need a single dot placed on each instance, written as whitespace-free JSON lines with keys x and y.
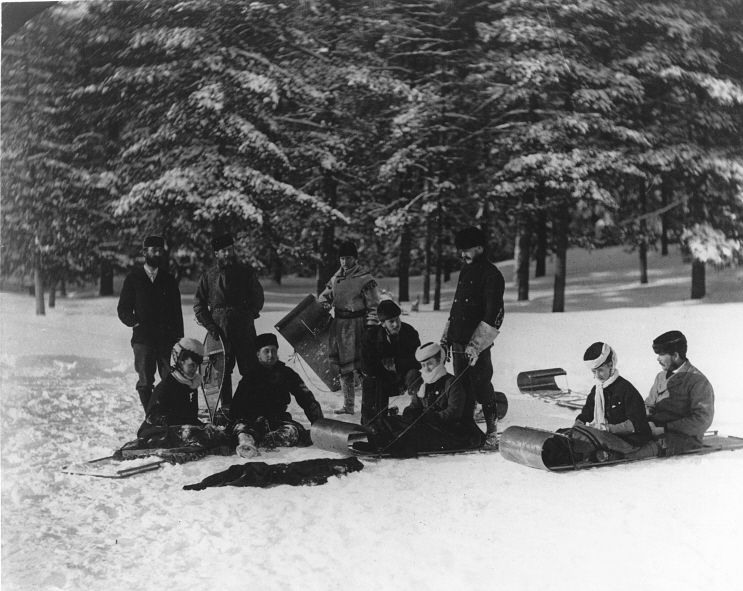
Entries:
{"x":305,"y":472}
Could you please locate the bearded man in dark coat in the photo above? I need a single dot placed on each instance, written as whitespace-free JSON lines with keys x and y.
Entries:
{"x":150,"y":303}
{"x":228,"y":299}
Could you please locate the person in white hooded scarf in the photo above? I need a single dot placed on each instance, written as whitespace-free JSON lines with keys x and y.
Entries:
{"x":175,"y":399}
{"x":614,"y":405}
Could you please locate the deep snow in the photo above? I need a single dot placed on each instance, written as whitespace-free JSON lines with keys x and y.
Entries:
{"x":435,"y":523}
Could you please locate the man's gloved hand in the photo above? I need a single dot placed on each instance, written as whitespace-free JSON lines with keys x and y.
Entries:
{"x":327,"y":306}
{"x":444,"y":342}
{"x":471,"y":352}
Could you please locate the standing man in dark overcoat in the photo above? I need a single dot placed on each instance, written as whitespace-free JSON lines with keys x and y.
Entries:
{"x":474,"y":322}
{"x":150,"y":303}
{"x":228,"y":299}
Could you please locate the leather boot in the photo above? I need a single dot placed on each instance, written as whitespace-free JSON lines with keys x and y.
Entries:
{"x":491,"y":427}
{"x":349,"y":395}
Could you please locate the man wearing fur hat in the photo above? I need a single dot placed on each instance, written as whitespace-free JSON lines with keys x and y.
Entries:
{"x":228,"y":299}
{"x":352,"y":294}
{"x":474,"y":322}
{"x":681,"y":403}
{"x":259,"y":409}
{"x":390,"y":366}
{"x":439,"y":416}
{"x":150,"y":303}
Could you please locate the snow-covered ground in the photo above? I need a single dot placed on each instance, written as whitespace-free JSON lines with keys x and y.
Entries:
{"x":438,"y":523}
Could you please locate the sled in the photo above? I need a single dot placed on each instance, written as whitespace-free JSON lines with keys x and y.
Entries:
{"x":532,"y":447}
{"x":339,"y":437}
{"x":111,"y":467}
{"x":212,"y":372}
{"x":306,"y":329}
{"x":542,"y":384}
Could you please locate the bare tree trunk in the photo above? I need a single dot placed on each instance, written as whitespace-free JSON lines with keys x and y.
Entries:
{"x":39,"y":289}
{"x":522,"y":257}
{"x":277,"y":267}
{"x":666,"y":195}
{"x":327,"y":264}
{"x":52,"y":293}
{"x":561,"y":252}
{"x":439,"y":249}
{"x":540,"y":269}
{"x":427,"y":263}
{"x":643,"y":240}
{"x":403,"y":264}
{"x":698,"y":279}
{"x":106,"y":279}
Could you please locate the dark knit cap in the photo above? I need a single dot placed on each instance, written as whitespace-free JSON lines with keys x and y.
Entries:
{"x":154,"y":241}
{"x":266,"y":339}
{"x":670,"y":342}
{"x":387,"y":309}
{"x":593,"y":352}
{"x":469,"y":238}
{"x":222,"y":241}
{"x":348,"y":249}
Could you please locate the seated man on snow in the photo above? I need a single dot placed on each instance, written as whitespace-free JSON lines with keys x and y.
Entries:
{"x":681,"y":403}
{"x":259,"y":407}
{"x":390,"y":367}
{"x":439,"y":417}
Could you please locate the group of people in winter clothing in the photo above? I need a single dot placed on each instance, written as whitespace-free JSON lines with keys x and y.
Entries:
{"x":228,"y":299}
{"x":368,"y":343}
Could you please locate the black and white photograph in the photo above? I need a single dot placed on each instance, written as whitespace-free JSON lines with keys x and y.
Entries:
{"x":332,"y":295}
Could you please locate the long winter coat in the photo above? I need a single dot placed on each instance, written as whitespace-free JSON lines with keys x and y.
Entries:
{"x":268,"y":392}
{"x":154,"y":307}
{"x":624,"y":409}
{"x":479,"y":298}
{"x":354,"y":297}
{"x":683,"y":403}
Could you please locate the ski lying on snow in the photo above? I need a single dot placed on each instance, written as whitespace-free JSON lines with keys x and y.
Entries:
{"x":110,"y":467}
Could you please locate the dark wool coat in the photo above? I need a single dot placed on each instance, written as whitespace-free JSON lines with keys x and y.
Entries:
{"x":622,"y":402}
{"x":267,"y":393}
{"x":454,"y":410}
{"x":379,"y":346}
{"x":155,"y":307}
{"x":172,"y":403}
{"x":229,"y":298}
{"x":479,"y":298}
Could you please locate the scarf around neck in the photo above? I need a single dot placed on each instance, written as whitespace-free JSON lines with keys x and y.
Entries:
{"x":192,"y":383}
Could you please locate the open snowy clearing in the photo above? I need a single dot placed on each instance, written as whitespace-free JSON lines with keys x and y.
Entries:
{"x":436,"y":523}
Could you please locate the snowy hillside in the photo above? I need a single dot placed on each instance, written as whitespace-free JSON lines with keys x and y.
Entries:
{"x":473,"y":521}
